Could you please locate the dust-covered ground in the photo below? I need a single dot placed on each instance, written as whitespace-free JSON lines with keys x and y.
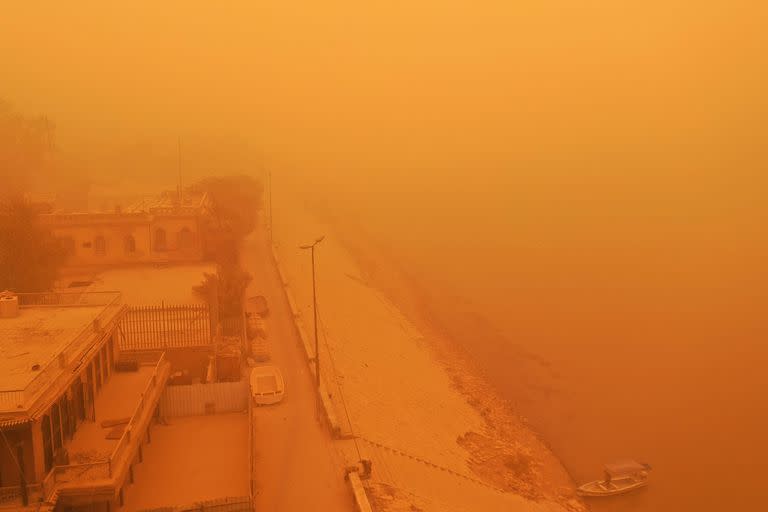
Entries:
{"x":439,"y":437}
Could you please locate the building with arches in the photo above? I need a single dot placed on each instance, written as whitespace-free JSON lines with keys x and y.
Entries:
{"x":159,"y":230}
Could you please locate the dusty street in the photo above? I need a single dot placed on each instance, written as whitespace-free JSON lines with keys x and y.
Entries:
{"x":297,"y":465}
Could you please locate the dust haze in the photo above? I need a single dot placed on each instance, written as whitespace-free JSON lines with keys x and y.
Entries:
{"x":574,"y":192}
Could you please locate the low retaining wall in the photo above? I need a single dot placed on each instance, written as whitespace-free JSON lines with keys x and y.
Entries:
{"x":358,"y":493}
{"x":358,"y":490}
{"x":308,"y":349}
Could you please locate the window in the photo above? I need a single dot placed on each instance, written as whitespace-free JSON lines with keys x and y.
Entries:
{"x":129,"y":244}
{"x":47,"y":447}
{"x":184,"y":239}
{"x":100,"y":245}
{"x":56,"y":427}
{"x":160,"y":240}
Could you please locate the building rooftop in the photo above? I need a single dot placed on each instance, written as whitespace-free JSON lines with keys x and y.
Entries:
{"x":49,"y":328}
{"x":153,"y":284}
{"x":35,"y":338}
{"x":164,"y":204}
{"x":167,"y":201}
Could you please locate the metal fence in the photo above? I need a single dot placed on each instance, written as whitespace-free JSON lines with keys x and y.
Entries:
{"x":165,"y":326}
{"x":199,"y":399}
{"x":233,"y":326}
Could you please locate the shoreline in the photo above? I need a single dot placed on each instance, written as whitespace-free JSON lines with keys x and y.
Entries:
{"x":508,"y":453}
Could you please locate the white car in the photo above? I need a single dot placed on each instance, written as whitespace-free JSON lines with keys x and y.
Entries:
{"x":267,"y":385}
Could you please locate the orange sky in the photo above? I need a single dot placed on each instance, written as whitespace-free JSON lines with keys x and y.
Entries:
{"x":587,"y":172}
{"x":579,"y":122}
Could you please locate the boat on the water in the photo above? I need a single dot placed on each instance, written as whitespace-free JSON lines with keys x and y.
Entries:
{"x":620,"y":477}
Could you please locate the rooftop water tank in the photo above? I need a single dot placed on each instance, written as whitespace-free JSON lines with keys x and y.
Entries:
{"x":9,"y":305}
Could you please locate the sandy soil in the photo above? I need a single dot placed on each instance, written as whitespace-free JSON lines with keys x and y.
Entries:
{"x":439,"y":437}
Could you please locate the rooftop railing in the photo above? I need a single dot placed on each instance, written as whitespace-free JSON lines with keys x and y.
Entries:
{"x":48,"y":376}
{"x":77,"y":218}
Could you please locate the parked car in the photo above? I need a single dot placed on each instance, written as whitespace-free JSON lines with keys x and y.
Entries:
{"x":267,"y":385}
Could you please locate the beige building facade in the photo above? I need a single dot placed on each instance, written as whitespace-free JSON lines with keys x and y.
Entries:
{"x":155,"y":232}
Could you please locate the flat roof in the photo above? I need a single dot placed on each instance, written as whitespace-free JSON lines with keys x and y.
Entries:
{"x":36,"y":337}
{"x":47,"y":325}
{"x":153,"y":284}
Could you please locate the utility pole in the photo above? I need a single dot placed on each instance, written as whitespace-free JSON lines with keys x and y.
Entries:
{"x":311,"y":247}
{"x":181,"y":197}
{"x":269,"y":181}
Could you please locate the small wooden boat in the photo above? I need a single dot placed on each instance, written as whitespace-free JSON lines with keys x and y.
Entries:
{"x":620,"y":477}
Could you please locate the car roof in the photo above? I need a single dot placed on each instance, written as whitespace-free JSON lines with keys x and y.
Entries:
{"x":266,"y":370}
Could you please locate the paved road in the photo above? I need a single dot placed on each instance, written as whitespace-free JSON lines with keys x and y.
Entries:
{"x":297,"y":465}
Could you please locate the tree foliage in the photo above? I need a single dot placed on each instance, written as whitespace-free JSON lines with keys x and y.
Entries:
{"x":30,"y":256}
{"x":225,"y":290}
{"x":235,"y":203}
{"x":25,"y":149}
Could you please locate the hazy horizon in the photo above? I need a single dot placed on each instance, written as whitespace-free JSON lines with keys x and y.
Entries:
{"x":585,"y":173}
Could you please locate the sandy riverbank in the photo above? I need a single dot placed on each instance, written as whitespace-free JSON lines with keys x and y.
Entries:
{"x":440,"y":437}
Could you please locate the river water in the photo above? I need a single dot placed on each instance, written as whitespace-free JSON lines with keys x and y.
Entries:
{"x":617,"y":328}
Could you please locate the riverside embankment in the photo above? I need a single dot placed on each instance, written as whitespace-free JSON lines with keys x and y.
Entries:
{"x":437,"y":434}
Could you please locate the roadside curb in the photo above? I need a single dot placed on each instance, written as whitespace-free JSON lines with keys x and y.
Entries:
{"x":356,"y":485}
{"x":358,"y":492}
{"x":322,"y":391}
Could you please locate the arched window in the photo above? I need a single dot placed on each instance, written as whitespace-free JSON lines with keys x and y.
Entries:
{"x":129,"y":244}
{"x":160,"y":240}
{"x":184,"y":239}
{"x":100,"y":245}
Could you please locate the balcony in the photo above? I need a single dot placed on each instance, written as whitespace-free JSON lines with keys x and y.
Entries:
{"x":100,"y":462}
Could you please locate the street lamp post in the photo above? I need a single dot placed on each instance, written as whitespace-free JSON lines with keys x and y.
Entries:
{"x":311,"y":247}
{"x":269,"y":175}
